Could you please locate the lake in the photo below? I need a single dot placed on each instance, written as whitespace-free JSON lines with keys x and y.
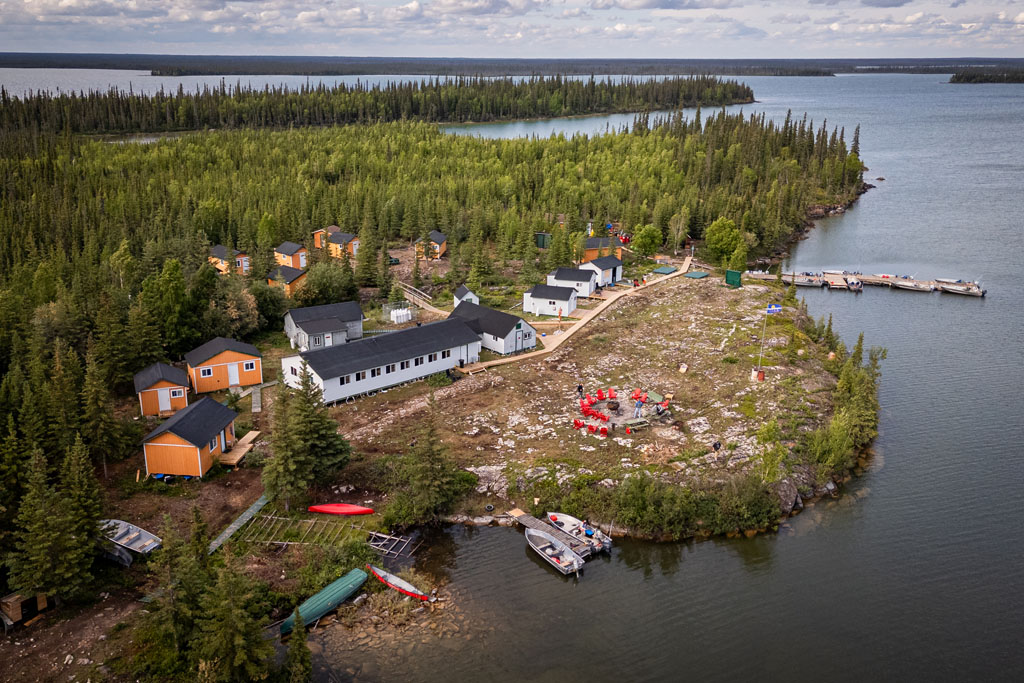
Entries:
{"x":915,"y":571}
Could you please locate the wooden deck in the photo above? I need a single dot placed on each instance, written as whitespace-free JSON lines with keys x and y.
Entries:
{"x":577,"y":545}
{"x":839,"y":281}
{"x":238,"y":451}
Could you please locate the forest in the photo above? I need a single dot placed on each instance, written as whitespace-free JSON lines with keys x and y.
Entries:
{"x":440,"y":100}
{"x":988,"y":75}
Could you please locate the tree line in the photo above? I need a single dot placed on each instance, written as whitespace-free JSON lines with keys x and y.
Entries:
{"x":445,"y":100}
{"x":988,"y":75}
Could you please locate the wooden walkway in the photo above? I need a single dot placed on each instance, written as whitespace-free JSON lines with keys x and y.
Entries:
{"x":839,"y":281}
{"x":322,"y":531}
{"x":239,"y":450}
{"x":237,"y":524}
{"x":553,"y":342}
{"x":578,"y":546}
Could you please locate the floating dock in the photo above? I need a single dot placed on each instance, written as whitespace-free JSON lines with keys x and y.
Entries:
{"x":577,"y":545}
{"x":836,"y":279}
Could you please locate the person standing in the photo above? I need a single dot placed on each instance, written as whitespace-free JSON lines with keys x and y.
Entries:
{"x":579,"y":390}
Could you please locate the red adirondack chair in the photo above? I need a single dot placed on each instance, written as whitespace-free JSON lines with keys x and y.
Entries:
{"x":604,"y":431}
{"x":611,"y":394}
{"x":600,"y":394}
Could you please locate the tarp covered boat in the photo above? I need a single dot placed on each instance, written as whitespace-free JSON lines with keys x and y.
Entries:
{"x":399,"y":584}
{"x":326,"y":600}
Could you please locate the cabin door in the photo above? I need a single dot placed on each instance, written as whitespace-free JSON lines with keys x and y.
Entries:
{"x":232,"y":374}
{"x":163,"y":397}
{"x":519,"y":340}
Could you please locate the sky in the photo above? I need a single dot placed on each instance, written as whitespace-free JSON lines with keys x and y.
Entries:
{"x":520,"y":28}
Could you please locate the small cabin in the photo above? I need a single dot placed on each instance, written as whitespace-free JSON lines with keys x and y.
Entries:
{"x":222,"y":363}
{"x":162,"y":389}
{"x":225,"y":260}
{"x":596,"y":247}
{"x":500,"y":332}
{"x":549,"y":300}
{"x":290,"y":254}
{"x":322,"y":236}
{"x":608,"y":269}
{"x":583,"y":280}
{"x":286,"y":277}
{"x":463,"y":293}
{"x":189,"y":443}
{"x":317,"y":327}
{"x":436,"y":245}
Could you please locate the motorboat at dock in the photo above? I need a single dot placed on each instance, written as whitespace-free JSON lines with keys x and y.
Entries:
{"x":964,"y":287}
{"x":597,"y":539}
{"x":556,"y":553}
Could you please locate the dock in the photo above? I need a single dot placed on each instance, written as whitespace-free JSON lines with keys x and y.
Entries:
{"x":835,"y":279}
{"x":234,"y":456}
{"x":578,"y":546}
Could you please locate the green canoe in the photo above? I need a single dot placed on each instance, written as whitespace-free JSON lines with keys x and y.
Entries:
{"x":326,"y":600}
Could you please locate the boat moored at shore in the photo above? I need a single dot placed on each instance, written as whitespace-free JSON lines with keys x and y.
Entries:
{"x":597,"y":539}
{"x":556,"y":553}
{"x":963,"y":287}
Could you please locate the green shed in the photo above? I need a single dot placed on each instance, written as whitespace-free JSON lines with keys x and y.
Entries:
{"x":542,"y":239}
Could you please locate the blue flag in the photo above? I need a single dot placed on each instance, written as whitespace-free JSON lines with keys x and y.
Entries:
{"x":773,"y":308}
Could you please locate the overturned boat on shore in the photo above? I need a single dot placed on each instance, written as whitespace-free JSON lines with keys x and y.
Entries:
{"x":129,"y":536}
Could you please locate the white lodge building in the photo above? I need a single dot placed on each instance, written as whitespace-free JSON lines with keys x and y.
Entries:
{"x":584,"y":281}
{"x":375,"y":363}
{"x":500,"y":332}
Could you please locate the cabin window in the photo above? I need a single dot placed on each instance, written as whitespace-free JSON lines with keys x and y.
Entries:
{"x":389,"y":369}
{"x":405,"y":365}
{"x":238,"y":263}
{"x":447,"y":353}
{"x":551,"y":303}
{"x":419,"y":361}
{"x":361,"y":375}
{"x":344,"y":379}
{"x":206,"y":372}
{"x":213,"y":444}
{"x":250,"y":365}
{"x":375,"y":372}
{"x":317,"y":341}
{"x":177,"y":393}
{"x":295,"y":371}
{"x":432,"y":357}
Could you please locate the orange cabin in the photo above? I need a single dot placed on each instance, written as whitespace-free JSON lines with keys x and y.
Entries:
{"x":596,"y":245}
{"x":290,"y":254}
{"x":189,"y":443}
{"x":286,"y":277}
{"x":162,"y":389}
{"x":224,"y":261}
{"x":222,"y":363}
{"x":436,"y":245}
{"x":335,"y":240}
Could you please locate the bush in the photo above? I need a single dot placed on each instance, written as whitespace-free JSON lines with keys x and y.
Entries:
{"x":439,"y":380}
{"x":324,"y":565}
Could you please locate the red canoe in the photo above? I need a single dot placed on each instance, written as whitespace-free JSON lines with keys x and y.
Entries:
{"x":341,"y":509}
{"x":400,"y":585}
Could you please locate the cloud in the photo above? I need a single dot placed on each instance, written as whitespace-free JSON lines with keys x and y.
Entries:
{"x":662,"y":4}
{"x":957,"y":3}
{"x":885,"y":3}
{"x":486,"y":7}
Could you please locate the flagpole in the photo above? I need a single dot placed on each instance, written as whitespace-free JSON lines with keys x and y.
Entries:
{"x":763,"y":330}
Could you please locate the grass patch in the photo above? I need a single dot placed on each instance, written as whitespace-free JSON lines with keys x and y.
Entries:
{"x":748,"y":407}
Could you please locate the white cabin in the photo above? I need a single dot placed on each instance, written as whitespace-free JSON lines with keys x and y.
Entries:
{"x":583,"y":281}
{"x":548,"y":300}
{"x":317,"y":327}
{"x":464,"y":293}
{"x":608,"y":269}
{"x":375,"y":363}
{"x":500,"y":332}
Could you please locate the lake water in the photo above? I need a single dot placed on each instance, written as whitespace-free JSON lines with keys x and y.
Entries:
{"x":917,"y":570}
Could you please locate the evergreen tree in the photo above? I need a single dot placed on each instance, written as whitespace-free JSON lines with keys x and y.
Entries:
{"x":366,"y":259}
{"x":348,"y":288}
{"x":63,"y":395}
{"x":417,"y":278}
{"x":37,"y":564}
{"x":230,"y":640}
{"x":99,"y":428}
{"x":384,"y":272}
{"x":324,"y":449}
{"x":175,"y":314}
{"x":13,"y":472}
{"x":143,"y":342}
{"x":738,"y":260}
{"x":287,"y":475}
{"x":32,"y":420}
{"x":81,"y":505}
{"x":397,"y":295}
{"x":299,"y":663}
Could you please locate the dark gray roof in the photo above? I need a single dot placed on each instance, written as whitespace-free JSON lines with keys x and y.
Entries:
{"x":287,"y":274}
{"x":288,"y":248}
{"x":156,"y":372}
{"x":198,"y":423}
{"x":372,"y":352}
{"x":462,"y":291}
{"x":436,"y":236}
{"x":483,"y":319}
{"x":321,"y":325}
{"x":221,"y":252}
{"x":599,"y":242}
{"x":219,"y":345}
{"x":344,"y":310}
{"x":574,"y":274}
{"x":606,"y":262}
{"x":341,"y":238}
{"x":551,"y":292}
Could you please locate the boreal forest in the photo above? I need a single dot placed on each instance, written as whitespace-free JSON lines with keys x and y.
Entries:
{"x":104,"y":244}
{"x":439,"y":100}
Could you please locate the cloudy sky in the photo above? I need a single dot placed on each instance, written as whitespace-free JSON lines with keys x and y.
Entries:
{"x":520,"y":28}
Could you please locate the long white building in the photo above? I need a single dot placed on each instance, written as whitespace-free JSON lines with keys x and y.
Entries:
{"x":375,"y":363}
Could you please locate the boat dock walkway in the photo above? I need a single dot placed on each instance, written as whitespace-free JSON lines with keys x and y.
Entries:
{"x":834,"y":279}
{"x":577,"y":545}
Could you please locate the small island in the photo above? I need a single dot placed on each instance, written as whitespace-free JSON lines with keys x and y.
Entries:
{"x":988,"y":75}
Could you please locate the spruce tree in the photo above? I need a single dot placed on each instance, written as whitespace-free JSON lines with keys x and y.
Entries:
{"x":144,"y":337}
{"x":349,"y":288}
{"x":397,"y":295}
{"x":99,"y":428}
{"x":384,"y":272}
{"x":287,"y":475}
{"x":230,"y":640}
{"x":178,"y":325}
{"x":417,"y":277}
{"x":323,"y":449}
{"x":366,"y":259}
{"x":37,"y":562}
{"x":81,"y":505}
{"x":299,"y":662}
{"x":13,"y":472}
{"x":63,"y":395}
